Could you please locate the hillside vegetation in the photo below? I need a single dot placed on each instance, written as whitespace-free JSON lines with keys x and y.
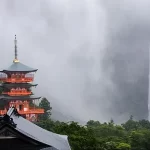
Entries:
{"x":131,"y":135}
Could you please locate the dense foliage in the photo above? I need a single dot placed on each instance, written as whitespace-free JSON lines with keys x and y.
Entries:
{"x":132,"y":135}
{"x":45,"y":104}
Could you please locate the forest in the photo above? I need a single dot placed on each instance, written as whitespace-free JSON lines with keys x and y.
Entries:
{"x":131,"y":135}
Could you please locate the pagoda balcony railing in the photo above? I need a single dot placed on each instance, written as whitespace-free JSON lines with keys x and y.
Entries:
{"x":3,"y":112}
{"x":30,"y":111}
{"x":17,"y":80}
{"x":17,"y":93}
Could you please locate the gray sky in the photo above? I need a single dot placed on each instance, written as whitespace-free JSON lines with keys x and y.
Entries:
{"x":92,"y":55}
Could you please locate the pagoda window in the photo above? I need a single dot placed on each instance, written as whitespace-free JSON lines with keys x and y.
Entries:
{"x":12,"y":90}
{"x":20,"y":107}
{"x":29,"y":75}
{"x":22,"y":75}
{"x":24,"y":90}
{"x":19,"y":75}
{"x":13,"y":75}
{"x":27,"y":115}
{"x":17,"y":90}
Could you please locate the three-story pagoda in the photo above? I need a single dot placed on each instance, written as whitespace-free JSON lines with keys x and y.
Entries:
{"x":16,"y":82}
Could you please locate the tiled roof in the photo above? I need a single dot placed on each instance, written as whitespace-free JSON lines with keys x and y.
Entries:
{"x":29,"y":129}
{"x":6,"y":97}
{"x":17,"y":66}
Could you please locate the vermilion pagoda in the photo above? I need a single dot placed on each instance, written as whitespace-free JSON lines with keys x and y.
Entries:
{"x":16,"y":82}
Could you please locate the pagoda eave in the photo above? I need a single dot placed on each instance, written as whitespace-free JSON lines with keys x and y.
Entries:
{"x":8,"y":98}
{"x":19,"y":67}
{"x":17,"y":84}
{"x":23,"y":71}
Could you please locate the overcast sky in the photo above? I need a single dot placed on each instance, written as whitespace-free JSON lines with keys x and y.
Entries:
{"x":92,"y":55}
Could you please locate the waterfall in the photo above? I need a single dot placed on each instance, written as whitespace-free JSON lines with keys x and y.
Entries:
{"x":149,"y":88}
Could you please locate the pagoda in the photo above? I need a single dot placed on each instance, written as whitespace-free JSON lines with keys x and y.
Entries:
{"x":16,"y":83}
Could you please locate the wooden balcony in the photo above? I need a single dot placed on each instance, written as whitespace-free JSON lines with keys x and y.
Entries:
{"x":17,"y":93}
{"x":3,"y":112}
{"x":17,"y":80}
{"x":30,"y":111}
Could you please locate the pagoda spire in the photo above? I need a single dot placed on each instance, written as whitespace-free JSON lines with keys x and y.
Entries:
{"x":16,"y":59}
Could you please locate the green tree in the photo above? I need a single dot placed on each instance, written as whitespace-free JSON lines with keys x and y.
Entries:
{"x":80,"y":137}
{"x":144,"y":124}
{"x":92,"y":123}
{"x":33,"y":105}
{"x":123,"y":146}
{"x":47,"y":124}
{"x":140,"y":139}
{"x":131,"y":125}
{"x":45,"y":104}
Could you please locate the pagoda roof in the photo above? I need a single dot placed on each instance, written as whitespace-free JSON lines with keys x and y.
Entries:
{"x":19,"y":67}
{"x":32,"y":132}
{"x":6,"y":97}
{"x":17,"y":84}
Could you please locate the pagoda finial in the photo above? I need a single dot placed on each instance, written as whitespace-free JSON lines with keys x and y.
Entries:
{"x":16,"y":59}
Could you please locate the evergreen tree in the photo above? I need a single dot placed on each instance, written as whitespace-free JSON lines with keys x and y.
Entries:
{"x":45,"y":104}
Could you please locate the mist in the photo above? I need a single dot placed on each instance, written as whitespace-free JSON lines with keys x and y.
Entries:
{"x":92,"y":56}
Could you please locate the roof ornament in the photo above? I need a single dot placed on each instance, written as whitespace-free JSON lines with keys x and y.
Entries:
{"x":6,"y":119}
{"x":16,"y":59}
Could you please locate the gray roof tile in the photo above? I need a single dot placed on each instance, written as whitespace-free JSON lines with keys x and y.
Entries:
{"x":6,"y":97}
{"x":57,"y":141}
{"x":17,"y":66}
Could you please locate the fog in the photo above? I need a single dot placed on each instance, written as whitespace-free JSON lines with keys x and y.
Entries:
{"x":92,"y":55}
